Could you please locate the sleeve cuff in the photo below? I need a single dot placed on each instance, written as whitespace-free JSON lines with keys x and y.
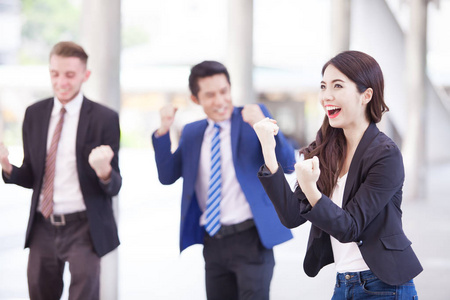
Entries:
{"x":265,"y":172}
{"x":157,"y":135}
{"x":6,"y":177}
{"x":105,"y":182}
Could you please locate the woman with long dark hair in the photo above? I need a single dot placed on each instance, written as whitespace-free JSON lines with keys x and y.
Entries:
{"x":349,"y":187}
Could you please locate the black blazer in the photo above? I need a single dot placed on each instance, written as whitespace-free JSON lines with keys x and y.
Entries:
{"x":98,"y":125}
{"x":370,"y":214}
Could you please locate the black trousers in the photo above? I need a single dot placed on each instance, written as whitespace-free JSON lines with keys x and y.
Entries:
{"x":237,"y":267}
{"x":50,"y":247}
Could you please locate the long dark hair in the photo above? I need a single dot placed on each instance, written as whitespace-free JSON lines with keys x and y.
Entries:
{"x":330,"y":145}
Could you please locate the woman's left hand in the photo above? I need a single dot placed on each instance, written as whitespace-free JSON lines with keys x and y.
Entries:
{"x":308,"y":173}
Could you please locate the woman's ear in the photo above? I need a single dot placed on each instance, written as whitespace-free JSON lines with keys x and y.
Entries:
{"x":367,"y":95}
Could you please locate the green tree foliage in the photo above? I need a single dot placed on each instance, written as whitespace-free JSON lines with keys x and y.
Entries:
{"x":46,"y":22}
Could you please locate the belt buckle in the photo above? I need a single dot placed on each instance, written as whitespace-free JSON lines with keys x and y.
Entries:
{"x":218,"y":235}
{"x":58,"y":220}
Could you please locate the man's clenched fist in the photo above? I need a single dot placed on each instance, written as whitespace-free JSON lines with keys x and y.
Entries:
{"x":100,"y":160}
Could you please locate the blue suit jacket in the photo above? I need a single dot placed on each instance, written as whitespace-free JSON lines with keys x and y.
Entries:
{"x":247,"y":158}
{"x":370,"y":216}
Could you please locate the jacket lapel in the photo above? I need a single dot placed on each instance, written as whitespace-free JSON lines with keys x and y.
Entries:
{"x":83,"y":125}
{"x":41,"y":145}
{"x":197,"y":141}
{"x":193,"y":142}
{"x":236,"y":122}
{"x":371,"y":132}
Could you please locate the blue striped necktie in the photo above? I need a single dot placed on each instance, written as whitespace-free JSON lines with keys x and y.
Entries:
{"x":215,"y":186}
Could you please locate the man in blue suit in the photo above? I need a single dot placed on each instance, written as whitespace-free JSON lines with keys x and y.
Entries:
{"x":240,"y":231}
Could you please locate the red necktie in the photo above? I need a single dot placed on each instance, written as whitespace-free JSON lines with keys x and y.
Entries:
{"x":49,"y":175}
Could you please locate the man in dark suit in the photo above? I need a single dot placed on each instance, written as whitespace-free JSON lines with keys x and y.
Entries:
{"x":223,"y":204}
{"x":70,"y":161}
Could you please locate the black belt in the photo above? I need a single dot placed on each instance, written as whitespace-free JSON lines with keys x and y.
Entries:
{"x":61,"y":220}
{"x":226,"y":230}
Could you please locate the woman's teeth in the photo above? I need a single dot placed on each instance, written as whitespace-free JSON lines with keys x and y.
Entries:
{"x":332,"y":110}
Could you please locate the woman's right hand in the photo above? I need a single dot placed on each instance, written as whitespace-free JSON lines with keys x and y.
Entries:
{"x":266,"y":130}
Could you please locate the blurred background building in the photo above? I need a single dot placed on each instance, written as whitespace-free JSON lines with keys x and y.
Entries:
{"x":141,"y":53}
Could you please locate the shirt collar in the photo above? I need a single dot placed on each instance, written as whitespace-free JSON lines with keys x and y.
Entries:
{"x":225,"y":125}
{"x":72,"y":107}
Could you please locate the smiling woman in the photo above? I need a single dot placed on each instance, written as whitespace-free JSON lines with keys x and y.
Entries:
{"x":349,"y":187}
{"x":352,"y":94}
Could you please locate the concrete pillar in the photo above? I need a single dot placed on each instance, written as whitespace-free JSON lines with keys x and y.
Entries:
{"x":240,"y":50}
{"x":414,"y":147}
{"x":340,"y":26}
{"x":100,"y":36}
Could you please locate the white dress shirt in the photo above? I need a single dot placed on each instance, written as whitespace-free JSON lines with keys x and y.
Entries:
{"x":67,"y":196}
{"x":347,"y":256}
{"x":234,"y":207}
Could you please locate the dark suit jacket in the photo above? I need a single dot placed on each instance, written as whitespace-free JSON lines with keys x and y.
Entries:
{"x":247,"y":157}
{"x":370,"y":214}
{"x":98,"y":125}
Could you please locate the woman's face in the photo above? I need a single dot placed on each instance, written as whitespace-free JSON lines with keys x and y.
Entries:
{"x":343,"y":104}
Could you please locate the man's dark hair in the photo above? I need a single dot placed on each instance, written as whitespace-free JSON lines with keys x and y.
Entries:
{"x":69,"y":49}
{"x":205,"y":69}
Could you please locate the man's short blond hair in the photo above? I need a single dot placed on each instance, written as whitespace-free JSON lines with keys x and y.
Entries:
{"x":69,"y":49}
